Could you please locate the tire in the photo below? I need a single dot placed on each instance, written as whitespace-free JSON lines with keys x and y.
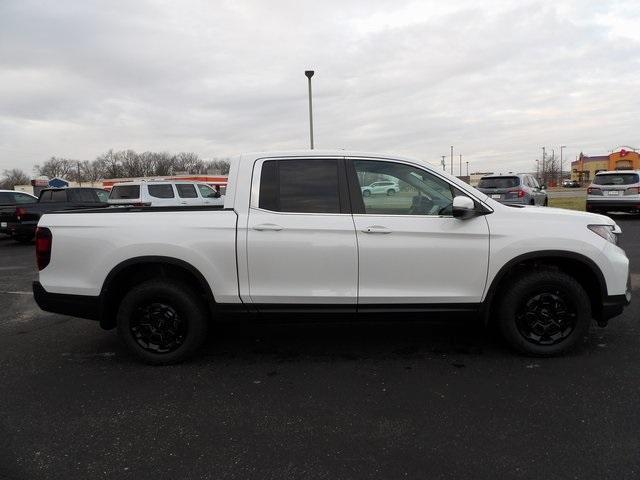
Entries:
{"x":532,"y":202}
{"x":366,"y":193}
{"x":544,"y":313}
{"x":391,"y":192}
{"x":546,"y":202}
{"x":176,"y":316}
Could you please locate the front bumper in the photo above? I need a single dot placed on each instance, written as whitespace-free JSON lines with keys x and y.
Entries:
{"x":81,"y":306}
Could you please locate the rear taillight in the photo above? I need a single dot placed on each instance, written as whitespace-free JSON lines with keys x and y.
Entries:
{"x":44,"y":239}
{"x":20,"y":211}
{"x":517,"y":193}
{"x":594,"y":191}
{"x":632,"y":191}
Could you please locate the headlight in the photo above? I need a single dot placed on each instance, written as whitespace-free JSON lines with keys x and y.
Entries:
{"x":608,"y":232}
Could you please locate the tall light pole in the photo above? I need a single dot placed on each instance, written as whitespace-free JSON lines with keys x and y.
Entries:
{"x":451,"y":159}
{"x":444,"y":164}
{"x":468,"y":170}
{"x":460,"y":165}
{"x":309,"y":74}
{"x":561,"y":148}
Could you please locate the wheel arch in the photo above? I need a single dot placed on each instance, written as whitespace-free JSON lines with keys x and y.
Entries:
{"x":582,"y":268}
{"x":139,"y":269}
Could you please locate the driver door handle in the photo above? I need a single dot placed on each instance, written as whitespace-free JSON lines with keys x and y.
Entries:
{"x":376,"y":229}
{"x":267,"y":227}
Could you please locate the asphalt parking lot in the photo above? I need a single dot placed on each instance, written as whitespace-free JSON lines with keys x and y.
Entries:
{"x":367,"y":400}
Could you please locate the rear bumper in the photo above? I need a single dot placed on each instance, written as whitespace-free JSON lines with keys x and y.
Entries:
{"x":604,"y":204}
{"x":81,"y":306}
{"x":27,"y":229}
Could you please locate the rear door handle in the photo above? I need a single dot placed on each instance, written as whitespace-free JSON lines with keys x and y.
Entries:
{"x":376,"y":229}
{"x":267,"y":227}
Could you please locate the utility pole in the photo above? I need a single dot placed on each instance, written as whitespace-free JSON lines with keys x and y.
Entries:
{"x":79,"y":182}
{"x":460,"y":164}
{"x":468,"y":170}
{"x":309,"y":74}
{"x":444,"y":164}
{"x":451,"y":159}
{"x":561,"y":177}
{"x":544,"y":157}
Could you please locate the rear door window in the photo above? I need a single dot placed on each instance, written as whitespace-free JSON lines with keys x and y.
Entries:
{"x":84,"y":195}
{"x":59,"y":196}
{"x":499,"y":182}
{"x":304,"y":186}
{"x":124,"y":192}
{"x":161,"y":190}
{"x":616,"y":179}
{"x":186,"y":190}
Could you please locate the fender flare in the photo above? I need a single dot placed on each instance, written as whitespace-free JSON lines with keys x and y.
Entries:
{"x":542,"y":254}
{"x":105,"y":322}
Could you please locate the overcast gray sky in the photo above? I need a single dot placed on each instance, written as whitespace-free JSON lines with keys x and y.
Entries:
{"x":495,"y":79}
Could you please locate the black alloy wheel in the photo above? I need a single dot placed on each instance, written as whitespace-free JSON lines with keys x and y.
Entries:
{"x":158,"y":328}
{"x":543,"y":312}
{"x":546,"y":318}
{"x":162,"y":321}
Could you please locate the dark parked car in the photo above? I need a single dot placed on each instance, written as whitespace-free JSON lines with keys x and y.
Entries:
{"x":9,"y":199}
{"x":54,"y":200}
{"x":571,"y":184}
{"x":519,"y":188}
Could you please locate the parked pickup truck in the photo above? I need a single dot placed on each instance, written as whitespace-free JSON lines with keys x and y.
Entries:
{"x":9,"y":199}
{"x":296,"y":235}
{"x":54,"y":199}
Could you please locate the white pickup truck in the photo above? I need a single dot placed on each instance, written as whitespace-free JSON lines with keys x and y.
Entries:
{"x":296,"y":235}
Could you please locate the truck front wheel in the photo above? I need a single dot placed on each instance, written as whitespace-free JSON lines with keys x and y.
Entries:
{"x":544,"y":313}
{"x":162,"y":322}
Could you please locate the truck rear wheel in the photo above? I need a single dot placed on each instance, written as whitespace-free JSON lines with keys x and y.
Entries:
{"x":162,"y":322}
{"x":544,"y":313}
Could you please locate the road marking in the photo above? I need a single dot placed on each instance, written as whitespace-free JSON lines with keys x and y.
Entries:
{"x":15,"y":293}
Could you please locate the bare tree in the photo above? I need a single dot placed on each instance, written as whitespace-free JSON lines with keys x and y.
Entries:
{"x":549,"y":170}
{"x":90,"y":171}
{"x":109,"y":165}
{"x":189,"y":162}
{"x":218,"y":166}
{"x":56,"y":167}
{"x":13,"y":177}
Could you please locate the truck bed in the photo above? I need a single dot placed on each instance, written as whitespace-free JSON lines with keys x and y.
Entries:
{"x":88,"y":244}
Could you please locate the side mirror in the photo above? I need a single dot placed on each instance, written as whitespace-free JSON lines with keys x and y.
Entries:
{"x":463,"y":207}
{"x":543,"y":187}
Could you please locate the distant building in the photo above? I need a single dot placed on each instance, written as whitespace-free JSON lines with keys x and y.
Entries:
{"x":585,"y":167}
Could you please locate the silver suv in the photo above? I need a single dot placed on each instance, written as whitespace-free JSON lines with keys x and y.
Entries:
{"x":520,"y":188}
{"x":614,"y":191}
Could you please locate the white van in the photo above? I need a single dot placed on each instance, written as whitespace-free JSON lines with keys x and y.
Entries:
{"x":164,"y":193}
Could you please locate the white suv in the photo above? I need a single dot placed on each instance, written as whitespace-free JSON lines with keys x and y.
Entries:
{"x":614,"y":191}
{"x":164,"y":193}
{"x":384,"y":187}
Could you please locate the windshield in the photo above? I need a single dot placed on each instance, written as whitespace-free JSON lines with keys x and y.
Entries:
{"x":616,"y":179}
{"x":499,"y":182}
